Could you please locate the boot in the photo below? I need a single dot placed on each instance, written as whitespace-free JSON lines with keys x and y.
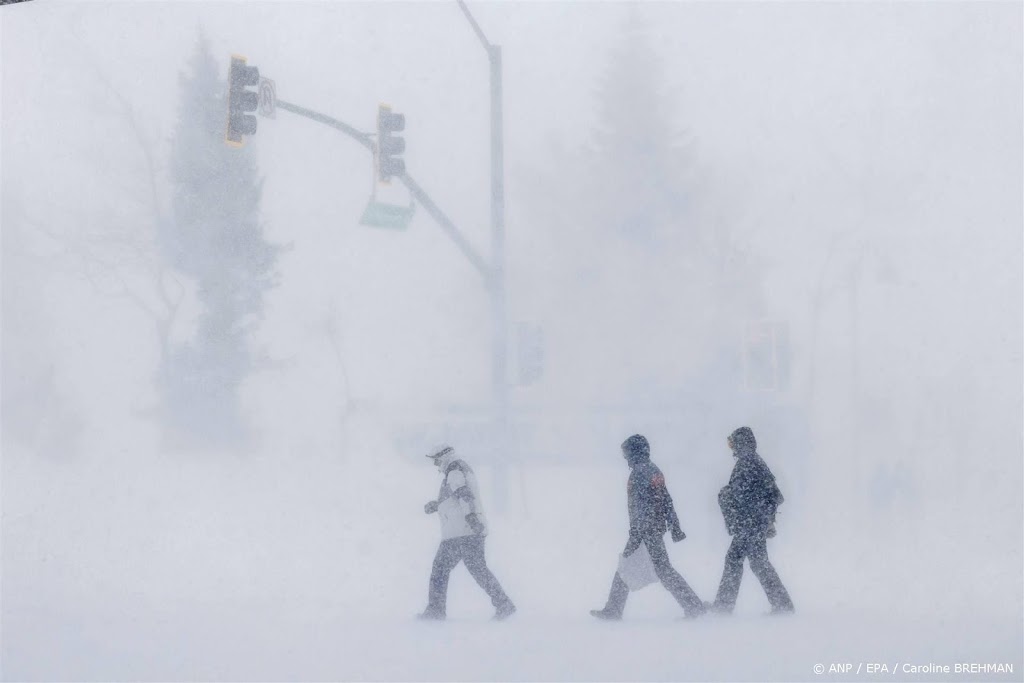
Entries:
{"x":605,"y":614}
{"x":504,"y":611}
{"x":697,"y":611}
{"x":430,"y":615}
{"x":717,"y":608}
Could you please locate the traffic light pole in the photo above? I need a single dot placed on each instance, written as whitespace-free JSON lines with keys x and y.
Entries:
{"x":499,"y":352}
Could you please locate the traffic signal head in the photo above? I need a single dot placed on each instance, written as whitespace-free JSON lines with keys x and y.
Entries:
{"x":389,"y":146}
{"x":241,"y":100}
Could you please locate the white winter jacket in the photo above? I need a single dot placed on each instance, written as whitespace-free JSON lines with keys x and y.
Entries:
{"x":458,"y":499}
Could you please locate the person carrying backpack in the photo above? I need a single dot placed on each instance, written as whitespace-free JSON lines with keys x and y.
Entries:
{"x":749,"y":503}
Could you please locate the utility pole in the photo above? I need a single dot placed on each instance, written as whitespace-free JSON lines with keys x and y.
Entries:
{"x":499,"y":343}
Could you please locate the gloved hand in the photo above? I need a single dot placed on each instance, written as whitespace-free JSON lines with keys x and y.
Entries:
{"x":677,"y":535}
{"x":631,"y":546}
{"x":474,"y":523}
{"x":430,"y":507}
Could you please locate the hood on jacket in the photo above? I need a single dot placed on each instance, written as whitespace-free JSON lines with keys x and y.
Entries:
{"x":443,"y":455}
{"x":743,"y":442}
{"x":636,"y":450}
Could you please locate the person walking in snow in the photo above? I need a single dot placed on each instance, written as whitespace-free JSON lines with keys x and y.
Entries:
{"x":749,"y":502}
{"x":463,"y":531}
{"x":651,"y":514}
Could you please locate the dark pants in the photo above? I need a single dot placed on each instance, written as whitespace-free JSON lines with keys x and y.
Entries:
{"x":468,"y":549}
{"x":670,"y":579}
{"x":754,"y":548}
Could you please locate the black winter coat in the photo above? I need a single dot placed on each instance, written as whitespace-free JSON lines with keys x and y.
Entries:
{"x":750,"y":499}
{"x":651,"y":512}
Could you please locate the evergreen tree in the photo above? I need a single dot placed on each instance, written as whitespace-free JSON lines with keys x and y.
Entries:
{"x":215,"y":238}
{"x":642,"y":164}
{"x":638,"y":252}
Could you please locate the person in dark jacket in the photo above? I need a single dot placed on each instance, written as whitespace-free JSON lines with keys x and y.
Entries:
{"x":463,"y":531}
{"x":651,"y":514}
{"x":749,"y":502}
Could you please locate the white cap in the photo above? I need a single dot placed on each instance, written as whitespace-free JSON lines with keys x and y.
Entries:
{"x":440,"y":451}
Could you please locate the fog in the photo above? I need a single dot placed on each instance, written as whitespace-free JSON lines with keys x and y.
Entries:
{"x":683,"y":182}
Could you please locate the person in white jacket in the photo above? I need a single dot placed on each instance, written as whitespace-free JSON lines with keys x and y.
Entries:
{"x":463,"y":531}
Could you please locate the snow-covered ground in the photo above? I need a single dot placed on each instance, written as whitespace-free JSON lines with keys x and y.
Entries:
{"x":311,"y":568}
{"x":263,"y":639}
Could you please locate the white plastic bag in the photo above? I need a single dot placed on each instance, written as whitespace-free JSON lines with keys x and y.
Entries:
{"x":637,"y":570}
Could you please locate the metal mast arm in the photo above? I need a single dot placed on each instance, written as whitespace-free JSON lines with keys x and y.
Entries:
{"x":357,"y":135}
{"x":446,"y":224}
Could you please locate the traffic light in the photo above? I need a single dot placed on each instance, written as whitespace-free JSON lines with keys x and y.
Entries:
{"x":389,"y":146}
{"x":241,"y":100}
